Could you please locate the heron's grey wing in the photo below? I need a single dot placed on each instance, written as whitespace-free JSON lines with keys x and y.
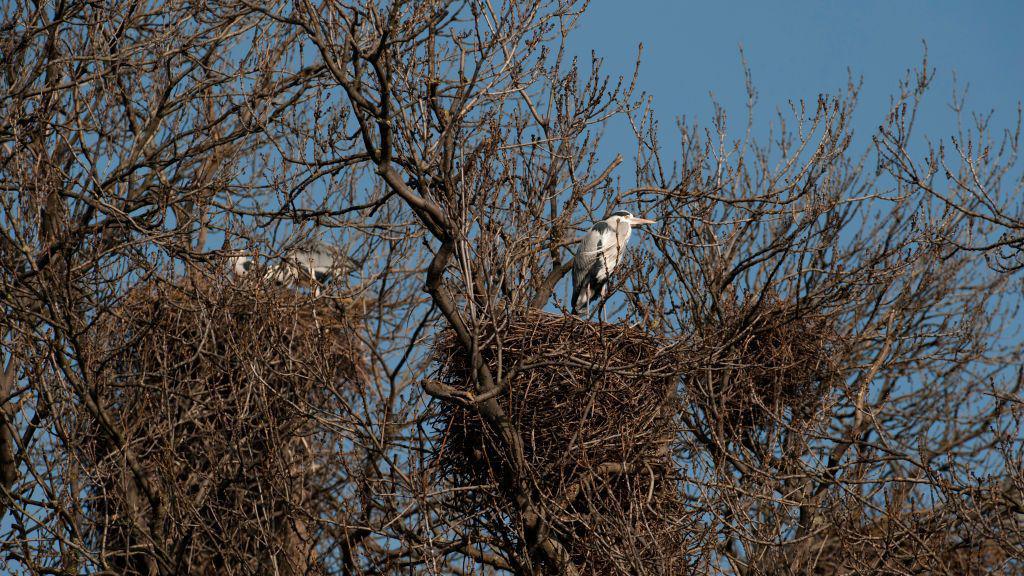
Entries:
{"x":303,"y":261}
{"x":587,"y":265}
{"x":321,"y":258}
{"x":586,"y":255}
{"x":323,"y":261}
{"x":600,"y":253}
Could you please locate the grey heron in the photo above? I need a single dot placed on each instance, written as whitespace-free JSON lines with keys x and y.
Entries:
{"x":599,"y":252}
{"x":311,"y":264}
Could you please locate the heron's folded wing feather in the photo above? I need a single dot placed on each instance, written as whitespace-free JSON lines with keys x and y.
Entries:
{"x":584,"y":259}
{"x":589,"y":248}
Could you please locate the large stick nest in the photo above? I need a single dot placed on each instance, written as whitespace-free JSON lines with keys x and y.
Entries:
{"x":213,"y":386}
{"x":594,"y":406}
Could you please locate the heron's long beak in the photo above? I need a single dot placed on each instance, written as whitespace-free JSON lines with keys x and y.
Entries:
{"x":634,"y":221}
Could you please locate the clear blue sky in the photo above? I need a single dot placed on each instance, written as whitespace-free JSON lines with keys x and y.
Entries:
{"x":800,"y":48}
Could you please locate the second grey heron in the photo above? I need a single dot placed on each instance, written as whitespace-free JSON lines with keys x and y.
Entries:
{"x":312,"y":264}
{"x":599,"y":252}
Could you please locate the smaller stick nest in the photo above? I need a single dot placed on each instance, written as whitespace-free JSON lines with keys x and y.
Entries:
{"x":594,"y":406}
{"x":763,"y":363}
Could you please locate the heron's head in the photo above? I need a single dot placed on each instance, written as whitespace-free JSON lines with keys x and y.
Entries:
{"x":628,"y":218}
{"x":240,"y":264}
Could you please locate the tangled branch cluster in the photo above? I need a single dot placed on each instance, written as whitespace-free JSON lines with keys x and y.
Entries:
{"x":944,"y":540}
